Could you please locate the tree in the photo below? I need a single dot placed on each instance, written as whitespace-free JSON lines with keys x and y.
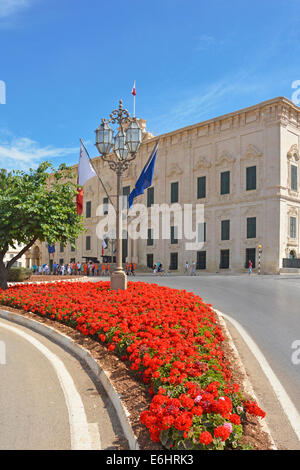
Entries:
{"x":38,"y":205}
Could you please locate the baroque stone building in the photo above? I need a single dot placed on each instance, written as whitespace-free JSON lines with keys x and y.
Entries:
{"x":243,"y":166}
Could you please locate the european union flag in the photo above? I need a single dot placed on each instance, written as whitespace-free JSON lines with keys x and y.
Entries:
{"x":51,"y":248}
{"x":145,"y":179}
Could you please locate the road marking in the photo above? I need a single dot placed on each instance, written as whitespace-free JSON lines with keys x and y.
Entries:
{"x":2,"y":353}
{"x":95,"y":436}
{"x":79,"y":427}
{"x":287,"y":405}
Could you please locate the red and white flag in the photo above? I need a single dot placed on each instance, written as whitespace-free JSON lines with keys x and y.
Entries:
{"x":85,"y":169}
{"x":133,"y":92}
{"x":104,"y":246}
{"x":85,"y":173}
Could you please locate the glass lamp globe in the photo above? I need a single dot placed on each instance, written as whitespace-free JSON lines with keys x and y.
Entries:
{"x":104,"y":138}
{"x":133,"y":137}
{"x":121,"y":149}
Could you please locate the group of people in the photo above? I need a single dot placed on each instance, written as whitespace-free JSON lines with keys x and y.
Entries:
{"x":158,"y":268}
{"x":130,"y":269}
{"x":79,"y":269}
{"x":190,"y":269}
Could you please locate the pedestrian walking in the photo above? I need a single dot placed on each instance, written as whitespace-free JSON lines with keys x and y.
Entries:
{"x":193,"y":270}
{"x":186,"y":268}
{"x":250,"y":267}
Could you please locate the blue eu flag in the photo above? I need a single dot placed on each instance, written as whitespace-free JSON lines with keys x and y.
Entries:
{"x":145,"y":179}
{"x":51,"y":248}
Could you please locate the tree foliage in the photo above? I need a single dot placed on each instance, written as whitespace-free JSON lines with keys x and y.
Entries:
{"x":37,"y":205}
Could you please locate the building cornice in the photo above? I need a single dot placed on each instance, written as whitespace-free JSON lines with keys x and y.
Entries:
{"x":265,"y":110}
{"x":276,"y":111}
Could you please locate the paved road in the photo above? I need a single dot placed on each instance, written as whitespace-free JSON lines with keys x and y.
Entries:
{"x":268,"y":307}
{"x":39,"y":383}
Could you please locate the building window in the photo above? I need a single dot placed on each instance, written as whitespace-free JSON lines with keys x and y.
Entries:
{"x":72,"y":245}
{"x":149,"y":239}
{"x":225,"y":182}
{"x":173,"y":261}
{"x":105,"y":205}
{"x":251,"y":227}
{"x":72,"y":260}
{"x":201,"y":260}
{"x":174,"y":235}
{"x":61,"y":261}
{"x":88,"y":243}
{"x":150,"y":263}
{"x":202,"y":232}
{"x":250,"y":178}
{"x":225,"y":230}
{"x":224,"y":259}
{"x":294,"y":178}
{"x":293,"y":231}
{"x":61,"y":247}
{"x":88,"y":209}
{"x":250,"y":256}
{"x":150,"y":196}
{"x":201,"y":187}
{"x":174,"y":192}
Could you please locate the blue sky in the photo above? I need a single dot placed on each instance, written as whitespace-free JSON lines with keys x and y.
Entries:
{"x":66,"y":64}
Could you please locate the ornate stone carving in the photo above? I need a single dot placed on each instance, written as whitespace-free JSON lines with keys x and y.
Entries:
{"x":224,"y":157}
{"x":202,"y":162}
{"x":89,"y":190}
{"x":293,"y":153}
{"x":292,"y":211}
{"x":250,"y":152}
{"x":174,"y":170}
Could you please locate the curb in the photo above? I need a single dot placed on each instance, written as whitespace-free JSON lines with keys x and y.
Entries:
{"x":77,"y":279}
{"x":83,"y":354}
{"x":246,"y":383}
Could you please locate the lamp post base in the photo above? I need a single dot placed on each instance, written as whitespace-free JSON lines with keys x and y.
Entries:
{"x":118,"y":280}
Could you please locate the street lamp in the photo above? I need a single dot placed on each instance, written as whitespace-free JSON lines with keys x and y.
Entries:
{"x":118,"y":151}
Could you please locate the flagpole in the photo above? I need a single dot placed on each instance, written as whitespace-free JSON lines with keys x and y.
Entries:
{"x":133,"y":93}
{"x":96,"y":173}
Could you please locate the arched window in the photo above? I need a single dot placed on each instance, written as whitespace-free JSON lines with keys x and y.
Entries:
{"x":292,"y":254}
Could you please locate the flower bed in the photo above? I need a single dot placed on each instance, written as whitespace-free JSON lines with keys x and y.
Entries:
{"x":172,"y":341}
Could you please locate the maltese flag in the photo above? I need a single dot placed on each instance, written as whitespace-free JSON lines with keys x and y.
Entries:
{"x":85,"y":169}
{"x":133,"y":92}
{"x":103,"y":246}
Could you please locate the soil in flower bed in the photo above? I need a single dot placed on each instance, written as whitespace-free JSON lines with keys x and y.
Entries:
{"x":158,"y":333}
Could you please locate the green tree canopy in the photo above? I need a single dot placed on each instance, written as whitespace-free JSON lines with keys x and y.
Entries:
{"x":38,"y":205}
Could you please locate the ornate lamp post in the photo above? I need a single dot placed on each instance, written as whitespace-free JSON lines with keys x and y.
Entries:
{"x":119,"y":151}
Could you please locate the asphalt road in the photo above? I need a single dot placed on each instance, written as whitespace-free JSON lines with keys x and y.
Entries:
{"x":268,"y":308}
{"x":48,"y":399}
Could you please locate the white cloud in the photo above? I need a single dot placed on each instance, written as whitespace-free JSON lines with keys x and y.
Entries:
{"x":10,"y":7}
{"x":23,"y":153}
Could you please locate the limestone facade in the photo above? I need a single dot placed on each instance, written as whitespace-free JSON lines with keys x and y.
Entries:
{"x":256,"y":150}
{"x":12,"y":252}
